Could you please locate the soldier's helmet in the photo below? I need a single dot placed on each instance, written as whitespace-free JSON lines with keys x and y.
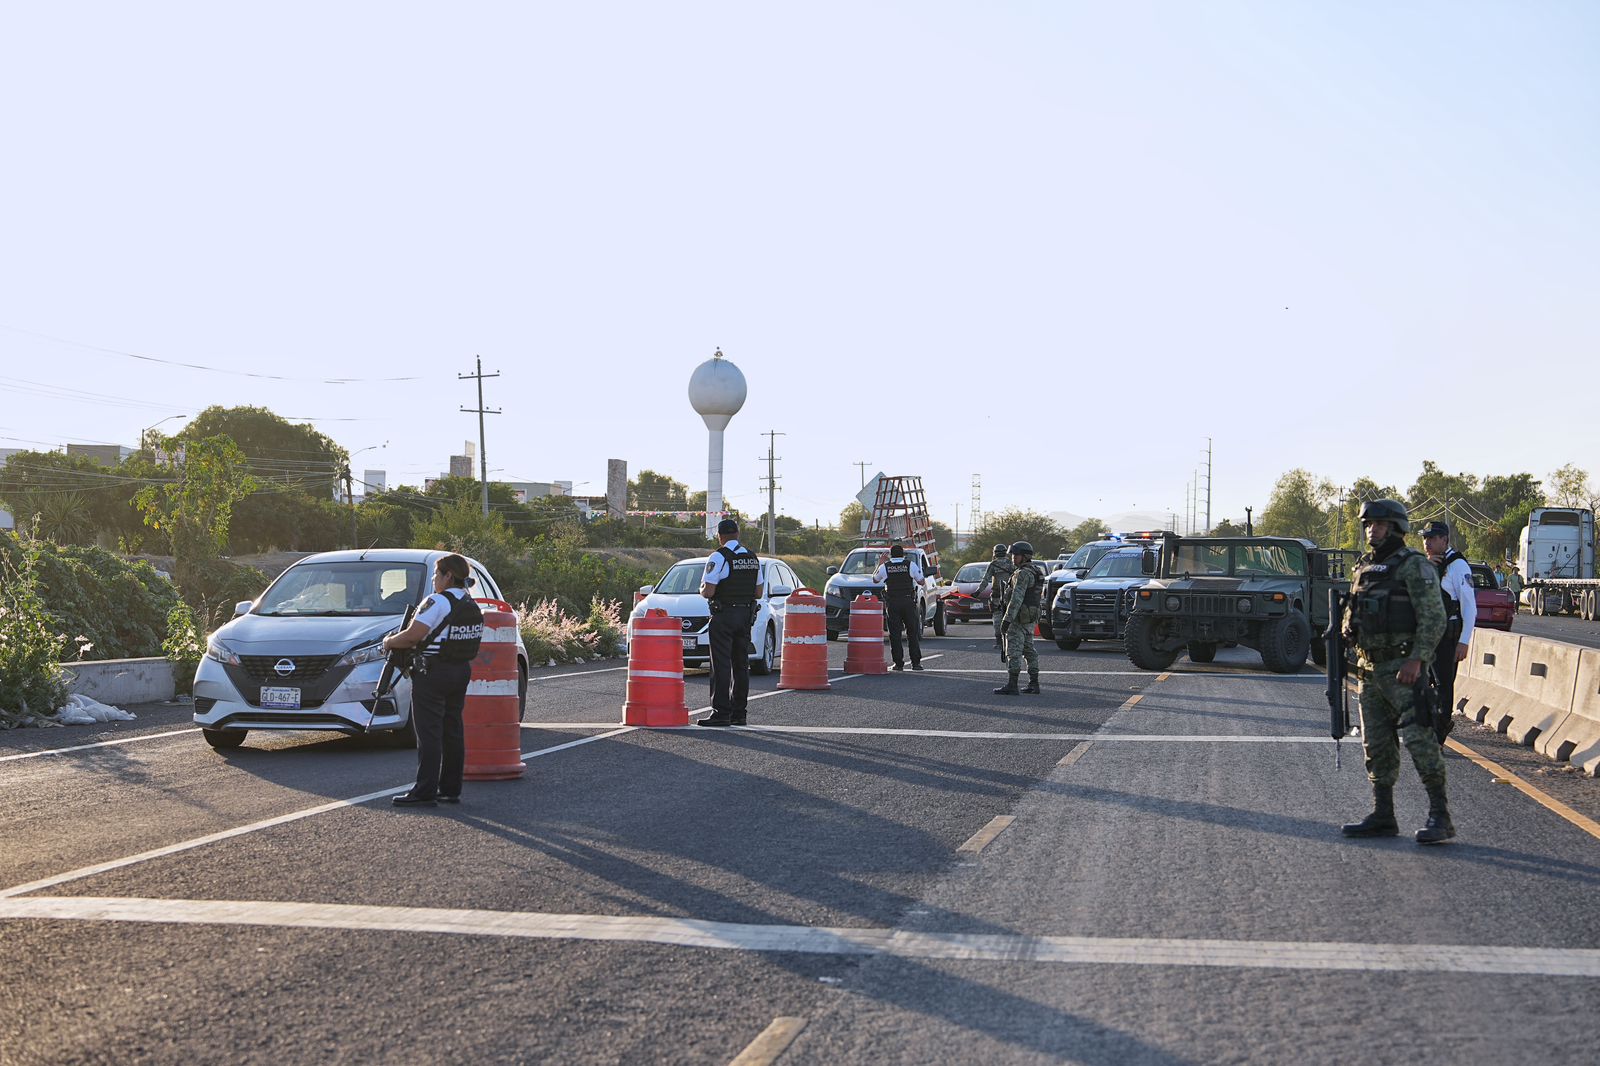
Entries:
{"x":1000,"y":551}
{"x":1392,"y":511}
{"x":1022,"y":547}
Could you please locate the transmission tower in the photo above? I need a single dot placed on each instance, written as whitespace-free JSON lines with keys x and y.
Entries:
{"x":977,"y":502}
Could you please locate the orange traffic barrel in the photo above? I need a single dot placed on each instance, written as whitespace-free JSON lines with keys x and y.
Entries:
{"x":866,"y":637}
{"x":805,"y":642}
{"x":492,"y":716}
{"x":655,"y":671}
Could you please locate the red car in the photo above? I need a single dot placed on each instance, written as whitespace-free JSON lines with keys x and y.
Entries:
{"x":964,"y":603}
{"x":1496,"y":608}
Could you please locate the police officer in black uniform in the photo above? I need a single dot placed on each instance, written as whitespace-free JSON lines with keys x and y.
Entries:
{"x":732,"y":585}
{"x":900,"y":575}
{"x":447,"y":628}
{"x":1461,"y":616}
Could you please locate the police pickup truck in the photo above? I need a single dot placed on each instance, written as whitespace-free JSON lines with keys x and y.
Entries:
{"x":1077,"y":567}
{"x":856,"y":575}
{"x":1266,"y":593}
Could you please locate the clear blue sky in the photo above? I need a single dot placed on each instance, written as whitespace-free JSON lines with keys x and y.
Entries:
{"x":1055,"y":244}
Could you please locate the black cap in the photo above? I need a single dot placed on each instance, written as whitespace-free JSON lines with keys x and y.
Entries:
{"x":897,"y":550}
{"x":1436,"y":528}
{"x":727,"y":527}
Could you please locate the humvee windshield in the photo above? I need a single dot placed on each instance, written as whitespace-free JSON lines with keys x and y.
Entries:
{"x":1247,"y":560}
{"x":1119,"y":564}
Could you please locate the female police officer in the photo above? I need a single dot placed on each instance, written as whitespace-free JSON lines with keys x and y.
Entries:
{"x":447,"y":630}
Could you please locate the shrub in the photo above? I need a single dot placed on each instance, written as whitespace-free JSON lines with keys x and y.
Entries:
{"x":184,"y":646}
{"x":552,"y":635}
{"x":120,"y":607}
{"x":32,"y":687}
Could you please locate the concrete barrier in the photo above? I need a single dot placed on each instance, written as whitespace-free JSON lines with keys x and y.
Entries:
{"x":122,"y":681}
{"x":1486,"y":692}
{"x":1577,"y":738}
{"x":1547,"y":672}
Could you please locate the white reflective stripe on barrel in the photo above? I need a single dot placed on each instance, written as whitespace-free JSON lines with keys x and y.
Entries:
{"x":804,"y":608}
{"x":500,"y":635}
{"x":492,"y":688}
{"x":656,"y":673}
{"x":818,"y":639}
{"x":867,"y":640}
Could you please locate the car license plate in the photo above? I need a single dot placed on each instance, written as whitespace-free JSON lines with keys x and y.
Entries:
{"x":285,"y":698}
{"x":690,"y":643}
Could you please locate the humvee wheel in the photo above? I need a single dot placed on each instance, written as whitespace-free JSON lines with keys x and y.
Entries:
{"x":1319,"y":653}
{"x":1201,"y":651}
{"x":1068,"y":643}
{"x":1140,"y":642}
{"x":1285,"y":643}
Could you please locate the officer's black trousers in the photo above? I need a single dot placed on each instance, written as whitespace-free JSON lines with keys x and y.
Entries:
{"x":1444,"y":671}
{"x":903,"y":615}
{"x":437,"y":700}
{"x":730,"y":660}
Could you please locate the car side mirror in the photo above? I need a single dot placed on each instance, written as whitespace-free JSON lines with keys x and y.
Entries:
{"x":645,"y":590}
{"x":1147,"y":562}
{"x":242,"y":607}
{"x":832,"y":570}
{"x":778,"y":591}
{"x":1083,"y":573}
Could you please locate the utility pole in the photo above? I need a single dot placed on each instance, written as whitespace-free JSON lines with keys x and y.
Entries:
{"x":480,"y":411}
{"x":1208,"y":485}
{"x":863,"y":464}
{"x":772,"y":490}
{"x":955,"y":530}
{"x":350,"y":498}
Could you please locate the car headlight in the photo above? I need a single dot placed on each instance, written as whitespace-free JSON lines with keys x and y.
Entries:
{"x":1244,"y":604}
{"x":219,"y":651}
{"x":367,"y":653}
{"x":1173,"y":603}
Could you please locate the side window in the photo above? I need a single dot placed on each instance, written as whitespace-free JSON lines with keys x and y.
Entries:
{"x":789,"y":578}
{"x":485,"y":586}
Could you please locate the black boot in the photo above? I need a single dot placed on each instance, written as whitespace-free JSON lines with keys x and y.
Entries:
{"x":1439,"y":827}
{"x":1033,"y":683}
{"x":1010,"y":688}
{"x":1380,"y":823}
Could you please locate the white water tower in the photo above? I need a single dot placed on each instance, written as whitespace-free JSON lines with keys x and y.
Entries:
{"x":717,"y":391}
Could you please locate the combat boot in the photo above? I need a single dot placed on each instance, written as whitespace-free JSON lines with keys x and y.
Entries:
{"x":1009,"y":689}
{"x":1380,"y":823}
{"x":1033,"y":683}
{"x":1439,"y":828}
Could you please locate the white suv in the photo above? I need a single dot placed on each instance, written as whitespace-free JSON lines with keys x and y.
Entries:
{"x":678,"y":593}
{"x":857,"y":574}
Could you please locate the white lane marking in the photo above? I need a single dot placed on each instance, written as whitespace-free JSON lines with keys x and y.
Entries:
{"x":983,"y":837}
{"x":687,"y":932}
{"x":771,"y":1044}
{"x":282,"y":819}
{"x":576,"y":673}
{"x":1076,"y":753}
{"x":1318,"y":678}
{"x":99,"y":744}
{"x":959,"y":734}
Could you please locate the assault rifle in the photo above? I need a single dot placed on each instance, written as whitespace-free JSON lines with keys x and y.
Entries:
{"x":399,"y":664}
{"x":1338,"y":670}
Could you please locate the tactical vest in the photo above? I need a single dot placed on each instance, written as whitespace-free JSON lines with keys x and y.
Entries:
{"x":458,"y":641}
{"x":897,"y":579}
{"x":1380,"y":602}
{"x":1452,"y":606}
{"x":1031,"y":594}
{"x":738,"y":588}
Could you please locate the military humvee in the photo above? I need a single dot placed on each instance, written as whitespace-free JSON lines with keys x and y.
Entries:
{"x":1266,"y":593}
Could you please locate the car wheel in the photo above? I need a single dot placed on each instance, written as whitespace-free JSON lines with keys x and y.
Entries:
{"x":1201,"y":651}
{"x":769,"y":655}
{"x":223,"y":739}
{"x":1068,"y":643}
{"x":939,"y":625}
{"x":1285,"y":643}
{"x":1140,"y":643}
{"x":522,"y":692}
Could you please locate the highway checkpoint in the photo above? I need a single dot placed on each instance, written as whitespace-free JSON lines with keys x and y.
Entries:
{"x":1129,"y":867}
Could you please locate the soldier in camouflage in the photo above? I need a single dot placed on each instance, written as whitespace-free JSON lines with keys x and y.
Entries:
{"x":1021,"y":612}
{"x":999,"y":574}
{"x":1394,"y":621}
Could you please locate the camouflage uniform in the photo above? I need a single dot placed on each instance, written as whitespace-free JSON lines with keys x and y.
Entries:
{"x":1386,"y":704}
{"x":1020,"y":620}
{"x":999,"y":572}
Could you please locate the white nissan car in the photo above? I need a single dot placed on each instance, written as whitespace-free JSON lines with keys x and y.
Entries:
{"x":306,"y":654}
{"x":678,"y":593}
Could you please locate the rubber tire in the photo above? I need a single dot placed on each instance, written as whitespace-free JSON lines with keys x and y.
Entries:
{"x":224,"y":739}
{"x":1319,"y":653}
{"x":1068,"y":643}
{"x":1286,"y":643}
{"x":522,"y":692}
{"x":1140,"y":652}
{"x":940,"y":625}
{"x":769,"y":655}
{"x":1201,"y":651}
{"x":832,"y":635}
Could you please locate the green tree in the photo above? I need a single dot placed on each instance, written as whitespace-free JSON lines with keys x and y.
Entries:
{"x":194,"y":509}
{"x":463,"y":527}
{"x":1014,"y":524}
{"x":276,"y":451}
{"x":1296,"y":508}
{"x":651,"y":491}
{"x":851,"y":517}
{"x":1082,"y":533}
{"x":1569,"y":487}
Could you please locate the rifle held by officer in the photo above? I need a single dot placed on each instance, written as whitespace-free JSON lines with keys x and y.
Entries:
{"x":1425,"y":709}
{"x":397,"y":665}
{"x":1338,"y":668}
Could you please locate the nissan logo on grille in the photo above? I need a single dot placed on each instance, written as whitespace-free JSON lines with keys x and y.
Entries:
{"x":283,"y":667}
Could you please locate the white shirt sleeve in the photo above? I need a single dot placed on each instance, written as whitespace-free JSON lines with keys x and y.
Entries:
{"x":435,"y":609}
{"x":716,"y":570}
{"x":916,"y":572}
{"x":881,"y":574}
{"x":1459,"y":575}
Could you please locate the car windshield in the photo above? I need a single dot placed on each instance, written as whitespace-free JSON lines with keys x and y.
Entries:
{"x":972,"y":572}
{"x":683,"y":579}
{"x":858,"y":563}
{"x":1119,"y":564}
{"x":1080,"y":559}
{"x":355,"y":587}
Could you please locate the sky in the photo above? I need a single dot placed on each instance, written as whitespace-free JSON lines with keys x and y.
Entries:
{"x":1054,"y":245}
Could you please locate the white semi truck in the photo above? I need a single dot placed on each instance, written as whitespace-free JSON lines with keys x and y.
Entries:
{"x":1556,"y":555}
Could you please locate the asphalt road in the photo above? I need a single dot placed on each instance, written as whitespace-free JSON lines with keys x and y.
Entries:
{"x":1568,"y":628}
{"x":1129,"y":868}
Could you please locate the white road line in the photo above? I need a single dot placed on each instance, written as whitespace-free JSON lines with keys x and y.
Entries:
{"x":1139,"y":673}
{"x":982,"y":838}
{"x":575,"y":673}
{"x":686,"y":932}
{"x":99,"y":744}
{"x":268,"y":823}
{"x":771,"y":1044}
{"x":959,"y":734}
